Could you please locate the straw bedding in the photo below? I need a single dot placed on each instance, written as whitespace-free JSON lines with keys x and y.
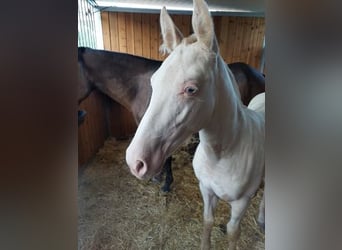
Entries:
{"x":118,"y":211}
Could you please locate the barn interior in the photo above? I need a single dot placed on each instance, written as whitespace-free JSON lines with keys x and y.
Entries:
{"x":116,"y":210}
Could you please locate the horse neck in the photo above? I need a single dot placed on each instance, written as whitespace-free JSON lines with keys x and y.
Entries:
{"x":223,"y":129}
{"x":118,"y":79}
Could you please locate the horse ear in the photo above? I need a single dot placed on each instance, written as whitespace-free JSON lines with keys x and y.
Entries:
{"x":170,"y":33}
{"x":203,"y":26}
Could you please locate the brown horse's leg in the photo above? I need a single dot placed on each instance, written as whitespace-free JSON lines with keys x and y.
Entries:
{"x":169,"y":176}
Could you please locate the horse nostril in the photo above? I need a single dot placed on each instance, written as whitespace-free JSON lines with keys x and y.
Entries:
{"x":140,"y":168}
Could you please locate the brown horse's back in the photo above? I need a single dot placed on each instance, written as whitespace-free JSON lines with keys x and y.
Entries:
{"x":250,"y":81}
{"x":98,"y":67}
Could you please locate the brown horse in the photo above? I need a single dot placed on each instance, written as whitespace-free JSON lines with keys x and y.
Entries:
{"x":250,"y":81}
{"x":126,"y":79}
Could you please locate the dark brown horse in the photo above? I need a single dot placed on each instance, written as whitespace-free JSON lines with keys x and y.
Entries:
{"x":250,"y":81}
{"x":126,"y":79}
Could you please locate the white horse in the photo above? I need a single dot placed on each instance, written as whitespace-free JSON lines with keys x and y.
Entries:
{"x":193,"y":90}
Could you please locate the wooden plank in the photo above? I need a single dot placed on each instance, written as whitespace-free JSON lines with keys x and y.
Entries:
{"x":92,"y":133}
{"x":146,"y":35}
{"x":235,"y":46}
{"x":186,"y":25}
{"x":230,"y":39}
{"x":122,"y":32}
{"x":245,"y":39}
{"x":182,"y":23}
{"x":224,"y":39}
{"x":217,"y":24}
{"x":94,"y":118}
{"x":106,"y":30}
{"x":83,"y":137}
{"x":252,"y":38}
{"x":97,"y":130}
{"x":256,"y":42}
{"x":261,"y":33}
{"x":253,"y":42}
{"x":234,"y":36}
{"x":130,"y":33}
{"x":236,"y":39}
{"x":237,"y":54}
{"x":227,"y":38}
{"x":221,"y":36}
{"x":177,"y":20}
{"x":154,"y":40}
{"x":137,"y":30}
{"x":114,"y":38}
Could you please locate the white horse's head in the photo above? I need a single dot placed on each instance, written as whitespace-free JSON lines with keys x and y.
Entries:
{"x":183,"y":96}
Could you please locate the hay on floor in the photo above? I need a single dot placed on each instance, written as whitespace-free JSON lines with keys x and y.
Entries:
{"x":118,"y":211}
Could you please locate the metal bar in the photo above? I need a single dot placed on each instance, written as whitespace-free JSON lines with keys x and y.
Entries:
{"x":87,"y":33}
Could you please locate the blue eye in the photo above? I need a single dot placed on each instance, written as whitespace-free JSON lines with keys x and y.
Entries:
{"x":190,"y":90}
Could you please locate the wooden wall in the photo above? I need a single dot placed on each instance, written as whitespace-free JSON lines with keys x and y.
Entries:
{"x":104,"y":118}
{"x":94,"y":130}
{"x":240,"y":39}
{"x":136,"y":33}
